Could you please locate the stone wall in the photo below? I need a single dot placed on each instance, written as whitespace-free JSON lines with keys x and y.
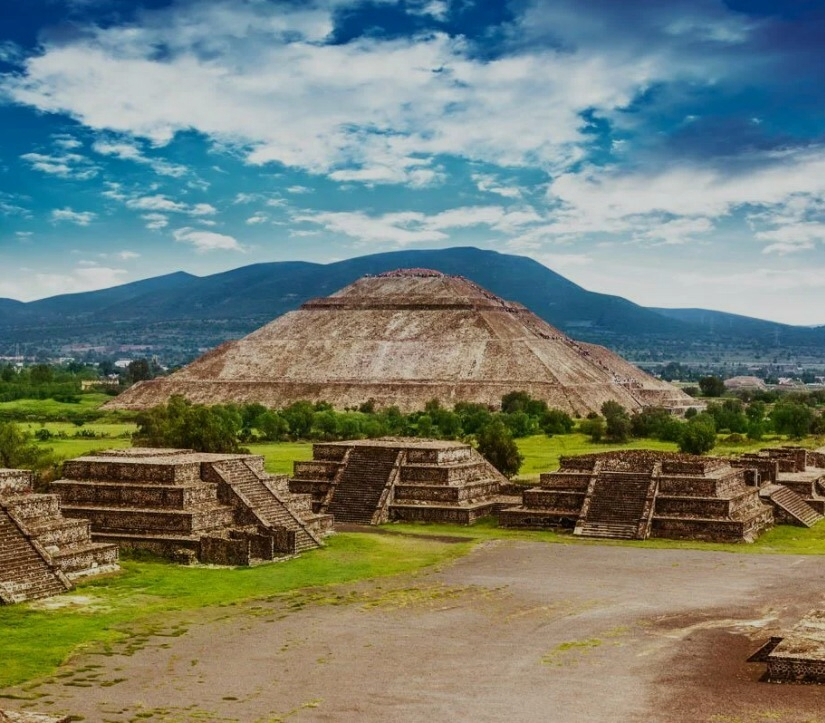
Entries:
{"x":15,"y":481}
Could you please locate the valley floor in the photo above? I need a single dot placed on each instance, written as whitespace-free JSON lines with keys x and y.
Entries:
{"x":517,"y":629}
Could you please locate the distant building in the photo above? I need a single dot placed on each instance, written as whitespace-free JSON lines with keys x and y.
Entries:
{"x":749,"y":383}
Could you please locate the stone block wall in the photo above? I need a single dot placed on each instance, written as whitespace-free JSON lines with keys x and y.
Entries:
{"x":15,"y":481}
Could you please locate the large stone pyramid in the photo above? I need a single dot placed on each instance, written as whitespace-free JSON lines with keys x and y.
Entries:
{"x":403,"y":338}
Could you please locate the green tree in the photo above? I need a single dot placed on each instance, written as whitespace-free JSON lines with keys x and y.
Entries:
{"x":594,"y":427}
{"x":617,"y":422}
{"x":189,"y":426}
{"x":497,"y":445}
{"x":792,"y":419}
{"x":555,"y":421}
{"x":698,"y":435}
{"x":19,"y":451}
{"x":712,"y":386}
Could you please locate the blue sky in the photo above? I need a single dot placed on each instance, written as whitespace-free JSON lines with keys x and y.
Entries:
{"x":670,"y":152}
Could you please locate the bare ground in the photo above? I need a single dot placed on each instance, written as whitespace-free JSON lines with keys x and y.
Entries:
{"x":515,"y":631}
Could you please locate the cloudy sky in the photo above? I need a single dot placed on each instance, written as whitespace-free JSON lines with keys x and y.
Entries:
{"x":670,"y":152}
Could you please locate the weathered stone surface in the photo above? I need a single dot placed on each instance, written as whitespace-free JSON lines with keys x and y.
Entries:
{"x":422,"y":480}
{"x":223,"y":509}
{"x":799,"y":656}
{"x":40,"y":549}
{"x":641,"y":493}
{"x":403,"y":339}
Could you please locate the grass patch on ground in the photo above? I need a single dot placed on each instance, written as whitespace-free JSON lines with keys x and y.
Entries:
{"x":35,"y":639}
{"x":279,"y":456}
{"x":50,"y":409}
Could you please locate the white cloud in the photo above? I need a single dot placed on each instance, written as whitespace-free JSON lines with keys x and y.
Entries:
{"x":63,"y":165}
{"x":127,"y":255}
{"x":161,"y":203}
{"x":782,"y":191}
{"x":254,"y":77}
{"x":299,"y":189}
{"x":490,"y":184}
{"x":81,"y":218}
{"x":155,"y":221}
{"x":128,"y":151}
{"x":205,"y":241}
{"x":410,"y":227}
{"x":29,"y":286}
{"x":257,"y":218}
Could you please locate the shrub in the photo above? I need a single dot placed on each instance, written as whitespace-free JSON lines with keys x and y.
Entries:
{"x":698,"y":435}
{"x":499,"y":448}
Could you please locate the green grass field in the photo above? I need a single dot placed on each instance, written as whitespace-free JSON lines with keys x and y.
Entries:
{"x":50,"y":410}
{"x":279,"y":456}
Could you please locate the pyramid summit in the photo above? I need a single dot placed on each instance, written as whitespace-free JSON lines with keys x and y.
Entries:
{"x":402,"y":338}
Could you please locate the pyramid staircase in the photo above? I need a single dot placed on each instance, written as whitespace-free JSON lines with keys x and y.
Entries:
{"x":358,"y":494}
{"x":272,"y":509}
{"x":26,"y":572}
{"x":791,"y":503}
{"x":618,"y":505}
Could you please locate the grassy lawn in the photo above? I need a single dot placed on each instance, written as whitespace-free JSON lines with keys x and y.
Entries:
{"x":35,"y":639}
{"x":279,"y":456}
{"x":50,"y":409}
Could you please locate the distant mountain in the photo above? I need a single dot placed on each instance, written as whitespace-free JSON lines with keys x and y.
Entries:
{"x":188,"y":312}
{"x":271,"y":289}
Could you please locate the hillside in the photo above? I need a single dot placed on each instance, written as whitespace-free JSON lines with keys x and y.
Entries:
{"x":179,"y":313}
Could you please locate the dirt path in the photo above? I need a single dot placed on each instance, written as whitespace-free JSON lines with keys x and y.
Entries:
{"x":513,"y":632}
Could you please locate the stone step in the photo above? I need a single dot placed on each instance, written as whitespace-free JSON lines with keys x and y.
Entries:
{"x":792,"y":504}
{"x":608,"y":530}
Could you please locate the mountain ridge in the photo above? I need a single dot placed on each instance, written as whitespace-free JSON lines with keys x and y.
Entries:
{"x":203,"y":310}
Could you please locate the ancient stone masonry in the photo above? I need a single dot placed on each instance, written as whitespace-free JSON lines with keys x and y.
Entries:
{"x":374,"y":481}
{"x":799,"y":656}
{"x":635,"y":494}
{"x":404,"y":338}
{"x":40,"y":550}
{"x":792,"y":479}
{"x":221,"y":509}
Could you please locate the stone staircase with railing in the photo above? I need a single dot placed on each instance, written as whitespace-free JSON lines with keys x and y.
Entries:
{"x":26,"y":572}
{"x":361,"y":485}
{"x":618,"y":505}
{"x":271,"y":507}
{"x":791,"y":504}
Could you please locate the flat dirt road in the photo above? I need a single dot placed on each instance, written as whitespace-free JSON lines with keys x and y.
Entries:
{"x":515,"y":631}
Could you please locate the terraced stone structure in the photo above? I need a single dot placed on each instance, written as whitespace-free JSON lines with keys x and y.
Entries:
{"x":792,"y":479}
{"x":216,"y":508}
{"x":403,"y":338}
{"x":41,"y":551}
{"x":636,"y":494}
{"x":799,"y":656}
{"x":369,"y":482}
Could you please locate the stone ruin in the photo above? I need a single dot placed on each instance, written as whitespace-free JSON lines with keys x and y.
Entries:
{"x":369,"y":482}
{"x":11,"y":716}
{"x":41,"y":551}
{"x":636,"y":494}
{"x":798,"y":656}
{"x":216,"y":508}
{"x":404,"y":338}
{"x":792,"y":479}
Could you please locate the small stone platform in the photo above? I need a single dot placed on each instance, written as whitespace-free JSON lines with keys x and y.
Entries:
{"x":41,"y":551}
{"x":217,"y":508}
{"x":799,"y":471}
{"x":373,"y":481}
{"x":799,"y":656}
{"x":636,"y":494}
